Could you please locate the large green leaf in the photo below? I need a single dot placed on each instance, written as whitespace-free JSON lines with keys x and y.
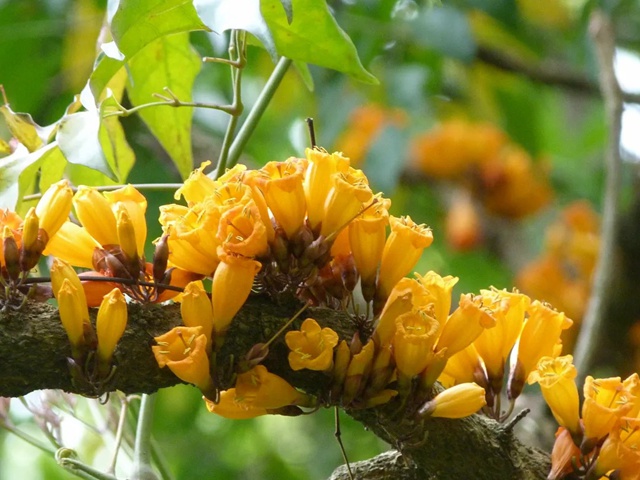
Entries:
{"x":18,"y":172}
{"x":167,"y":62}
{"x":313,"y":36}
{"x":222,"y":15}
{"x":117,"y":151}
{"x":135,"y":25}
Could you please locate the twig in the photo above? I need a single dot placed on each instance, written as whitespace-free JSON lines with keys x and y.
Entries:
{"x":107,"y":188}
{"x":142,"y":450}
{"x":546,"y":73}
{"x":257,"y":110}
{"x":588,"y":339}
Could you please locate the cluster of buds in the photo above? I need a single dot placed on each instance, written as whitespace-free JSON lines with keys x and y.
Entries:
{"x":23,"y":241}
{"x":599,"y":440}
{"x":110,"y":242}
{"x":92,"y":350}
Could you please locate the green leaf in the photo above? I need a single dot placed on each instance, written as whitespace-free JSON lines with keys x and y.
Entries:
{"x":167,"y":62}
{"x":222,"y":15}
{"x":22,"y":127}
{"x":115,"y":147}
{"x":135,"y":25}
{"x":303,"y":70}
{"x":313,"y":37}
{"x":79,"y":140}
{"x":18,"y":172}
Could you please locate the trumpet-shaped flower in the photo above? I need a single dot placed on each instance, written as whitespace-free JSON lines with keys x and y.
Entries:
{"x":317,"y":181}
{"x":564,"y":456}
{"x":358,"y":372}
{"x":197,"y":187}
{"x":621,"y":450}
{"x":74,"y":314}
{"x":263,"y":389}
{"x":402,"y":251}
{"x":606,"y":400}
{"x":349,"y":195}
{"x":73,"y":244}
{"x":456,"y":402}
{"x":241,"y":231}
{"x":495,"y":344}
{"x":95,"y":214}
{"x":281,"y":184}
{"x":464,"y":325}
{"x":54,"y":207}
{"x":183,"y":350}
{"x":135,"y":204}
{"x":463,"y":367}
{"x":196,"y":310}
{"x":232,"y":282}
{"x":311,"y":346}
{"x":556,"y":377}
{"x":234,"y":407}
{"x":110,"y":325}
{"x":416,"y":333}
{"x":439,"y":289}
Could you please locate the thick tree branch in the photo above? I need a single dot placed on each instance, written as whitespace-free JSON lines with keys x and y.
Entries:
{"x":34,"y":348}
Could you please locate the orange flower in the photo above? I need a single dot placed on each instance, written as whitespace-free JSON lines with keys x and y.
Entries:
{"x":95,"y":214}
{"x":281,"y":184}
{"x":135,"y":205}
{"x":458,"y":401}
{"x":317,"y":182}
{"x":232,"y":282}
{"x":358,"y":372}
{"x":556,"y":377}
{"x":110,"y":325}
{"x":311,"y":347}
{"x":263,"y":389}
{"x":197,"y":187}
{"x":241,"y":231}
{"x":416,"y":333}
{"x":606,"y":400}
{"x":564,"y":456}
{"x":346,"y":199}
{"x":439,"y":289}
{"x":183,"y":350}
{"x":74,"y":315}
{"x":196,"y":311}
{"x":234,"y":407}
{"x":464,"y":325}
{"x":401,"y":251}
{"x":73,"y":244}
{"x":620,"y":450}
{"x":54,"y":207}
{"x":462,"y":367}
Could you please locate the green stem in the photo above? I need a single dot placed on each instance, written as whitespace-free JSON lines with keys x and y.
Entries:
{"x":78,"y":468}
{"x":119,"y":434}
{"x":257,"y":110}
{"x":169,"y":103}
{"x":142,"y":450}
{"x":236,"y":44}
{"x":28,"y":438}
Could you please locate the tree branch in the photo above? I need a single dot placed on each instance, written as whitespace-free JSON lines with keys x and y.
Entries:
{"x":34,"y":347}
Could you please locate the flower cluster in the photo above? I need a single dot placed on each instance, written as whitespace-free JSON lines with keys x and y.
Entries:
{"x":599,"y":439}
{"x":532,"y":328}
{"x":480,"y":157}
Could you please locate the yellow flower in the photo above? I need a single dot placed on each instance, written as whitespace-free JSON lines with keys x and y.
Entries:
{"x":416,"y":333}
{"x":233,"y":407}
{"x":367,"y":235}
{"x":606,"y":400}
{"x":346,"y":199}
{"x":281,"y":184}
{"x":556,"y":377}
{"x":126,"y":234}
{"x":196,"y":310}
{"x":32,"y":243}
{"x":464,"y":325}
{"x":183,"y":350}
{"x":317,"y":182}
{"x":311,"y":347}
{"x":620,"y":451}
{"x":74,"y":314}
{"x":110,"y":325}
{"x":73,"y":244}
{"x":463,"y":366}
{"x":539,"y":338}
{"x":406,"y":295}
{"x":136,"y":206}
{"x":439,"y":289}
{"x":456,"y":402}
{"x":340,"y":366}
{"x":197,"y":187}
{"x":241,"y":231}
{"x":232,"y":283}
{"x":61,"y":270}
{"x":95,"y":214}
{"x":54,"y":207}
{"x":401,"y":251}
{"x":263,"y":389}
{"x":358,"y":373}
{"x":494,"y":345}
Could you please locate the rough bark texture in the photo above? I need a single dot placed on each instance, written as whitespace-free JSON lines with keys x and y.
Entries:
{"x":34,"y":351}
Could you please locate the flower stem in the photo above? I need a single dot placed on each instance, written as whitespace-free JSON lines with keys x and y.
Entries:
{"x":257,"y":110}
{"x":64,"y":459}
{"x":142,"y":449}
